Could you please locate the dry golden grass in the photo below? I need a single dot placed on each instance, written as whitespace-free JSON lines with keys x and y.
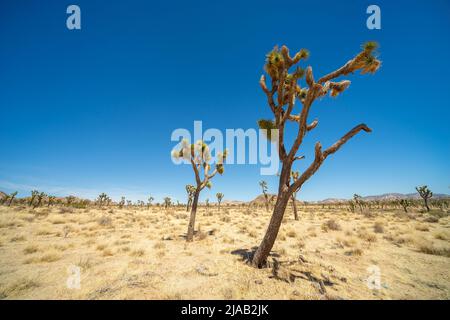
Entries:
{"x":141,"y":253}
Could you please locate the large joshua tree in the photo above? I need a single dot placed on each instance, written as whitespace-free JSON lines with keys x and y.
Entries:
{"x":282,"y":95}
{"x":199,"y":157}
{"x":425,"y":194}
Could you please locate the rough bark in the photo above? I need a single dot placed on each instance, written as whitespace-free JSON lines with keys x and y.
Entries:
{"x":10,"y":201}
{"x":263,"y":251}
{"x":191,"y":226}
{"x":426,"y":204}
{"x":189,"y":204}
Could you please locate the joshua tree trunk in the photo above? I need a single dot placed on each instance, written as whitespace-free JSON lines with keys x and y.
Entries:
{"x":188,"y":205}
{"x":294,"y":206}
{"x":426,"y":204}
{"x":11,"y":200}
{"x":191,"y":226}
{"x":263,"y":251}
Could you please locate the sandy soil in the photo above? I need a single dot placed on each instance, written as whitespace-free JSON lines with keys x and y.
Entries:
{"x":140,"y":253}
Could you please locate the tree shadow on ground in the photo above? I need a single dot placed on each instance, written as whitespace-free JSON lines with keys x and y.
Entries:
{"x":247,"y":254}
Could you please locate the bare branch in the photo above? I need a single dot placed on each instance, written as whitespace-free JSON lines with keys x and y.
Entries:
{"x":344,"y":70}
{"x":269,"y":94}
{"x":321,"y":156}
{"x":197,"y":176}
{"x":309,"y":77}
{"x":364,"y":61}
{"x":335,"y":147}
{"x":293,"y":118}
{"x":312,"y":125}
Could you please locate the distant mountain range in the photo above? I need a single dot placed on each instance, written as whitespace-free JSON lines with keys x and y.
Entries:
{"x":386,"y":196}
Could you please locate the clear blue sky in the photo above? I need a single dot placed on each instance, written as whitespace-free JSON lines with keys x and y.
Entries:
{"x":88,"y":111}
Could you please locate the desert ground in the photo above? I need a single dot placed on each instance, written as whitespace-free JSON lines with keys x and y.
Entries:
{"x":141,"y":253}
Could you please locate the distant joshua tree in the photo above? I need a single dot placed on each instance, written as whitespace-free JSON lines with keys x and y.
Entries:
{"x":70,"y":200}
{"x":219,"y":196}
{"x":190,"y":190}
{"x":282,"y":95}
{"x":199,"y":156}
{"x":102,"y":199}
{"x":405,"y":203}
{"x":39,"y":198}
{"x":425,"y":194}
{"x":351,"y":205}
{"x":51,"y":200}
{"x":34,"y":194}
{"x":167,"y":202}
{"x":263,"y":185}
{"x":358,"y":200}
{"x":150,"y":200}
{"x":122,"y":202}
{"x":11,"y":197}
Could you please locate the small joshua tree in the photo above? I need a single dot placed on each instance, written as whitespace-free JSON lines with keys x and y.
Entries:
{"x":282,"y":95}
{"x":150,"y":200}
{"x":102,"y":199}
{"x":70,"y":200}
{"x":39,"y":198}
{"x":4,"y":199}
{"x":294,"y":176}
{"x":34,"y":194}
{"x":219,"y":196}
{"x":199,"y":156}
{"x":351,"y":205}
{"x":263,"y":185}
{"x":425,"y":194}
{"x":405,"y":203}
{"x":358,"y":200}
{"x":51,"y":200}
{"x":11,"y":198}
{"x":190,"y":190}
{"x":167,"y":202}
{"x":122,"y":202}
